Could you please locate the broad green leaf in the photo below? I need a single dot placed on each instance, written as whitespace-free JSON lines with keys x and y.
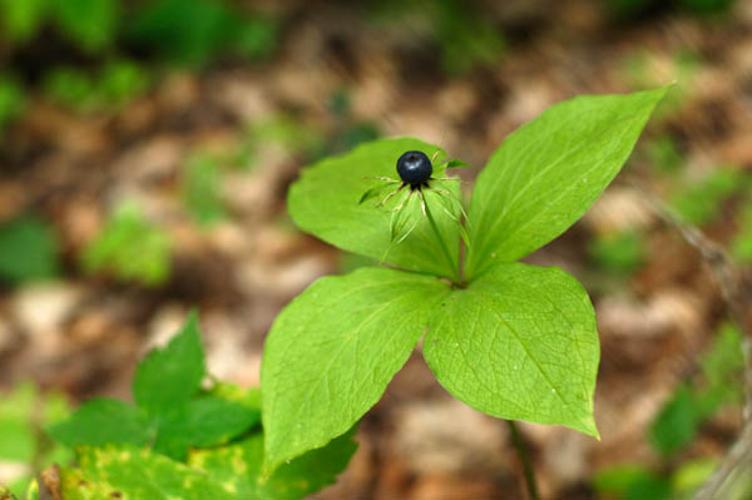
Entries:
{"x":238,"y":466}
{"x":547,"y":173}
{"x":27,"y":250}
{"x":167,"y":378}
{"x":677,"y":423}
{"x":203,"y":422}
{"x":331,"y":353}
{"x":519,"y":343}
{"x":103,"y":421}
{"x":325,"y":202}
{"x":136,"y":474}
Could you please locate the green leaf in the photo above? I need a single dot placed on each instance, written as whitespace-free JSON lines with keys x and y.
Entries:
{"x":547,"y":174}
{"x":12,"y":101}
{"x":204,"y":422}
{"x":27,"y":250}
{"x":239,"y":467}
{"x":677,"y":423}
{"x":22,"y":412}
{"x":168,"y":378}
{"x":90,"y":23}
{"x":331,"y":353}
{"x":136,"y":474}
{"x":519,"y":343}
{"x":202,"y":190}
{"x":701,"y":202}
{"x":325,"y":203}
{"x":21,"y":20}
{"x":103,"y":421}
{"x":620,"y":253}
{"x":131,"y":247}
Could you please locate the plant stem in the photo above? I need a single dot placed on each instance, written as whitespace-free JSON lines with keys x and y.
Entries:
{"x":452,"y":264}
{"x":524,"y":457}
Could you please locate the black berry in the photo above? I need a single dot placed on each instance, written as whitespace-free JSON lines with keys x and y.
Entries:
{"x":414,"y":168}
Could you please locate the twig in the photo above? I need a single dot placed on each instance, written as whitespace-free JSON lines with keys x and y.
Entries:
{"x":733,"y":477}
{"x":524,"y":457}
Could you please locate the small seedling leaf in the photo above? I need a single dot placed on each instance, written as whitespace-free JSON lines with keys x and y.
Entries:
{"x":167,"y":378}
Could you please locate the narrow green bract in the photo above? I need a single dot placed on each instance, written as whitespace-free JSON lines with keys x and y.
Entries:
{"x":325,"y":202}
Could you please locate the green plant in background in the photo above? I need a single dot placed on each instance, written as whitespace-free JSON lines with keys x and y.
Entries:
{"x":465,"y":36}
{"x":620,"y":253}
{"x":467,"y":39}
{"x":284,"y":132}
{"x":109,"y":88}
{"x":349,"y":131}
{"x":91,"y":24}
{"x":20,"y":21}
{"x":192,"y":32}
{"x":701,"y":202}
{"x":24,"y":447}
{"x":28,"y":250}
{"x":645,"y":70}
{"x":202,"y":190}
{"x":677,"y":424}
{"x":741,"y":246}
{"x":512,"y":340}
{"x":664,"y":155}
{"x":12,"y":101}
{"x":131,"y":248}
{"x":632,"y":9}
{"x":183,"y":438}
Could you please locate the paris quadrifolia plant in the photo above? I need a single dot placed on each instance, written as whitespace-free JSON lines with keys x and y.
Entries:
{"x":515,"y":341}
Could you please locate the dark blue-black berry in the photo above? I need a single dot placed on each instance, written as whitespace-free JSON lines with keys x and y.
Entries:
{"x":415,"y":169}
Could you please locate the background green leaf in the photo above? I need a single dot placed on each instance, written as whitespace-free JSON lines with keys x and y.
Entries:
{"x":239,"y":465}
{"x":90,"y":23}
{"x":547,"y":173}
{"x":204,"y":422}
{"x":131,"y":247}
{"x":103,"y":421}
{"x":136,"y":474}
{"x":21,"y":19}
{"x":27,"y":250}
{"x":325,"y":203}
{"x":168,"y":378}
{"x":331,"y":353}
{"x":519,"y":343}
{"x":23,"y":414}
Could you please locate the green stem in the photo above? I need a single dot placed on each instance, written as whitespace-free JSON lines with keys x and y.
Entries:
{"x":452,"y":264}
{"x":524,"y":457}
